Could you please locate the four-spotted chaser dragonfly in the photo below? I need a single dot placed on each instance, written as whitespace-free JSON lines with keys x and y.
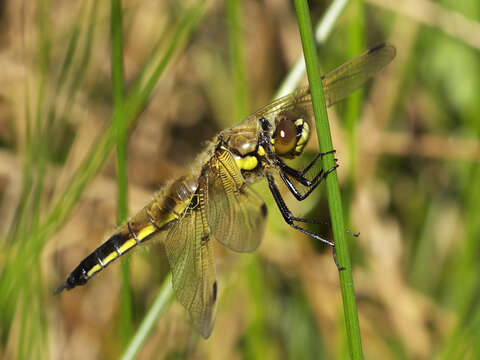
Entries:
{"x":214,"y":199}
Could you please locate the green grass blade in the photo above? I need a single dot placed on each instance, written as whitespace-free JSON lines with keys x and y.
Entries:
{"x":12,"y":281}
{"x":137,"y":97}
{"x":235,"y":23}
{"x":161,"y":302}
{"x":121,"y":128}
{"x":255,"y":336}
{"x":84,"y":55}
{"x":141,"y":92}
{"x":134,"y":103}
{"x":322,"y":32}
{"x":333,"y":189}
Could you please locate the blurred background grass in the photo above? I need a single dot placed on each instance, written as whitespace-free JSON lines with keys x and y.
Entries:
{"x":408,"y":146}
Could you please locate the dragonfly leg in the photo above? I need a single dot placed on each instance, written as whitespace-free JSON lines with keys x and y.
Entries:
{"x":318,"y":179}
{"x":340,"y":268}
{"x":287,"y":214}
{"x":300,"y":174}
{"x":352,"y":233}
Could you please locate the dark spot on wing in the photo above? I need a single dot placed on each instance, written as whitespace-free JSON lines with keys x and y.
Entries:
{"x":263,"y":208}
{"x":215,"y":291}
{"x":375,"y":48}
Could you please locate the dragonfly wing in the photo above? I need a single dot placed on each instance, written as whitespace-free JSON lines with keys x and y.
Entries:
{"x":337,"y":84}
{"x":236,"y":214}
{"x":190,"y":254}
{"x":340,"y":82}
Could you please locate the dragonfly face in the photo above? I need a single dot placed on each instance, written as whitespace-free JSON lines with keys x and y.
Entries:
{"x":214,"y":200}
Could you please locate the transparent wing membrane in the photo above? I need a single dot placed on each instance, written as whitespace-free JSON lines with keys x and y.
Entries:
{"x":190,"y":254}
{"x":340,"y":82}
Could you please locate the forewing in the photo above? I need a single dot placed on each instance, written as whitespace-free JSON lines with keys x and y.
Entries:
{"x":236,"y":214}
{"x":338,"y":83}
{"x":190,"y":254}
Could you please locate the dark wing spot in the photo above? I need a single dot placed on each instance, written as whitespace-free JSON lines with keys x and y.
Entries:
{"x":215,"y":291}
{"x":376,"y":48}
{"x":263,"y":208}
{"x":205,"y":238}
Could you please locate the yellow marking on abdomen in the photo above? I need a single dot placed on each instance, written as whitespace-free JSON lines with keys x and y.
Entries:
{"x":146,"y":231}
{"x":110,"y":257}
{"x":247,"y":162}
{"x":127,"y":245}
{"x":93,"y":270}
{"x":261,"y":151}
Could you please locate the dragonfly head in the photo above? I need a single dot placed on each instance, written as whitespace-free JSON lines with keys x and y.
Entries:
{"x":291,"y":133}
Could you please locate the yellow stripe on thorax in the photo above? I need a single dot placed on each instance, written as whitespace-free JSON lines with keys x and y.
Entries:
{"x":261,"y":151}
{"x":247,"y":162}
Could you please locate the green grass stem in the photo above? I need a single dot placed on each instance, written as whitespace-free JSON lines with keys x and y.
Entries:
{"x":333,"y":189}
{"x":237,"y":58}
{"x":159,"y":305}
{"x":255,"y":341}
{"x":134,"y":104}
{"x":121,"y":128}
{"x":15,"y":278}
{"x":323,"y":30}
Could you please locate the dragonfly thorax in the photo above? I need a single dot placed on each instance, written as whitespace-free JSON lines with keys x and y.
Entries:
{"x":243,"y":143}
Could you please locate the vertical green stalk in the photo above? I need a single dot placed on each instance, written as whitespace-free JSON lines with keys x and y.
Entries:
{"x":333,"y":190}
{"x":121,"y":127}
{"x":135,"y":100}
{"x":255,"y":336}
{"x":322,"y":31}
{"x":161,"y":302}
{"x":240,"y":93}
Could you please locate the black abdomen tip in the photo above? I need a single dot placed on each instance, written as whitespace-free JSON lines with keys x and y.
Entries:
{"x":61,"y":288}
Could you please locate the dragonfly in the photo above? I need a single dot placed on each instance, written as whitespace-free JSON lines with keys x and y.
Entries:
{"x":214,"y":199}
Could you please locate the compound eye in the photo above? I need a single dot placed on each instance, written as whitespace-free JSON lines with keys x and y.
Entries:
{"x":285,"y":136}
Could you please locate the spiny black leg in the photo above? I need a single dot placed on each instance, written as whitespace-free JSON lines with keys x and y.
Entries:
{"x":288,"y":216}
{"x":298,"y":195}
{"x":319,"y":156}
{"x":310,"y":221}
{"x":300,"y":174}
{"x":353,"y":234}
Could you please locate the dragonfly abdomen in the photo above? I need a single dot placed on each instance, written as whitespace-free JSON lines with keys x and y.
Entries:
{"x":118,"y":244}
{"x":166,"y":207}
